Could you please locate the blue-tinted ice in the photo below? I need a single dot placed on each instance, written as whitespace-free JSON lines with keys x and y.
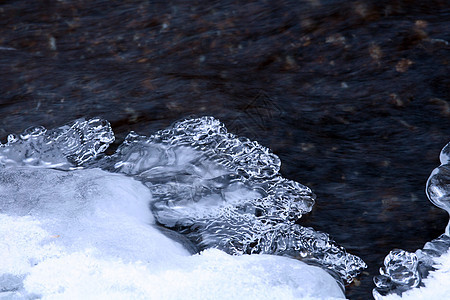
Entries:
{"x":404,"y":270}
{"x":219,"y":190}
{"x":438,"y":185}
{"x":64,"y":147}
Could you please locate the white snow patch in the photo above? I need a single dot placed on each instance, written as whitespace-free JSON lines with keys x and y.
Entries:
{"x":89,"y":234}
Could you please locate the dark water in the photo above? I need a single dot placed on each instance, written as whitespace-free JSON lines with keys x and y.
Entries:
{"x":352,"y":95}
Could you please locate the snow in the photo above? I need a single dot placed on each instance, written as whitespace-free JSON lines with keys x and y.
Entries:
{"x":89,"y":234}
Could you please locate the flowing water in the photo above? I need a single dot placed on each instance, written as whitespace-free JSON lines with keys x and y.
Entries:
{"x":352,"y":96}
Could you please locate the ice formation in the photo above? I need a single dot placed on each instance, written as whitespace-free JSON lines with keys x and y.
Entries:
{"x":225,"y":192}
{"x":404,"y":271}
{"x":64,"y":147}
{"x":438,"y":185}
{"x":436,"y":284}
{"x":79,"y":211}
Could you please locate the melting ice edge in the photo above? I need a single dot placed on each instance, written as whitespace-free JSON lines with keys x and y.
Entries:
{"x":221,"y":191}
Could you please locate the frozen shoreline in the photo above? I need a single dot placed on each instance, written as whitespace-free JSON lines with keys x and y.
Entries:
{"x":103,"y":246}
{"x":91,"y":215}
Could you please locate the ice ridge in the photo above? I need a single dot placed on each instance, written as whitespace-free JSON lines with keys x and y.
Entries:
{"x":219,"y":190}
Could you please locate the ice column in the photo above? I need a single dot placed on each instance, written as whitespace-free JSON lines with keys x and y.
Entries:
{"x":438,"y":185}
{"x":404,"y":270}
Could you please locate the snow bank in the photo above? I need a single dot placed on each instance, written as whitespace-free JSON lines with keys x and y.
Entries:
{"x":89,"y":234}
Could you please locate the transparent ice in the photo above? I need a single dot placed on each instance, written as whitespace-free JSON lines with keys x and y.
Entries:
{"x":208,"y":187}
{"x":403,"y":270}
{"x":438,"y":185}
{"x":225,"y":192}
{"x":64,"y":147}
